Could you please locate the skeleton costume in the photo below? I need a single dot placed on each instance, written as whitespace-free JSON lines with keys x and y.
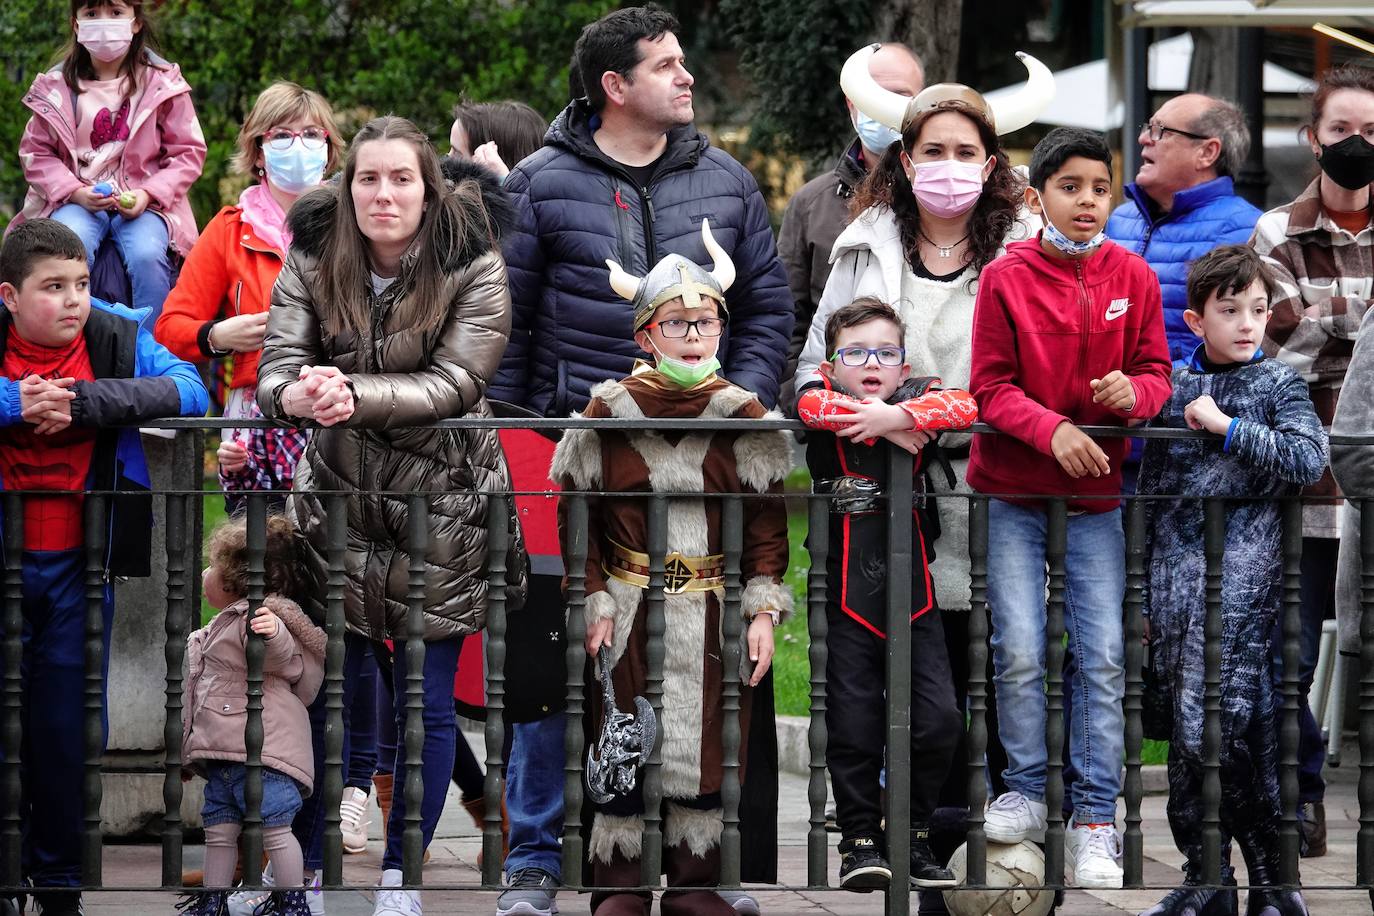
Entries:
{"x":630,"y":464}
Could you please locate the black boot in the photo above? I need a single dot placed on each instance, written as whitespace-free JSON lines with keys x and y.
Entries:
{"x":926,"y":870}
{"x":1265,"y":898}
{"x":1197,"y":901}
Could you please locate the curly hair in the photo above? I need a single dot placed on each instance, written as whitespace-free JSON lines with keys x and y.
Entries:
{"x":228,"y":552}
{"x":888,"y":186}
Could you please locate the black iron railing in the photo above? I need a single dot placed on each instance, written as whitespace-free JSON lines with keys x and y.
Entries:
{"x":182,"y":539}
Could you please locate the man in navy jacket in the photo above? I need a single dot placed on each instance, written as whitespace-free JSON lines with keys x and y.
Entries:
{"x":1182,"y":203}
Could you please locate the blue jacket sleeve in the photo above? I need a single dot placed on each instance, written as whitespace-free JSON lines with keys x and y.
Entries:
{"x":10,"y":410}
{"x":162,"y":386}
{"x":525,"y":272}
{"x":760,"y":303}
{"x":1294,"y":446}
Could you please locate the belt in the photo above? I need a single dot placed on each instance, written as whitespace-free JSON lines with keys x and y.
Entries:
{"x":680,"y":573}
{"x":859,"y":494}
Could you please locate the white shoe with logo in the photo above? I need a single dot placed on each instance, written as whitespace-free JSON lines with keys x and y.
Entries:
{"x":1092,"y":856}
{"x":392,"y":900}
{"x":1012,"y":818}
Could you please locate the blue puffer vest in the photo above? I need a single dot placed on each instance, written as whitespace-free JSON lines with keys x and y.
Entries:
{"x":575,"y":209}
{"x":1202,"y":217}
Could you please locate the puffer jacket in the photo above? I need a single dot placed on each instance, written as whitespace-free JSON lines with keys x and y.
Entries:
{"x":1202,"y":217}
{"x":216,"y":690}
{"x":402,"y":379}
{"x":575,"y":208}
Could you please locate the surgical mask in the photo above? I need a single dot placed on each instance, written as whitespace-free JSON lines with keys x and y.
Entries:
{"x":872,"y":134}
{"x":295,"y":169}
{"x":1063,"y":242}
{"x":684,"y":374}
{"x":947,"y":187}
{"x":107,"y":40}
{"x":1349,"y":163}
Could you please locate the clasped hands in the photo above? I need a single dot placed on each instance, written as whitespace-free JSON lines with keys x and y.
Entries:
{"x":323,"y":394}
{"x":46,"y":403}
{"x":873,"y":418}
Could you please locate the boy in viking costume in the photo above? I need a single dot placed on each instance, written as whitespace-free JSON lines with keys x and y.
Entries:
{"x":678,"y":318}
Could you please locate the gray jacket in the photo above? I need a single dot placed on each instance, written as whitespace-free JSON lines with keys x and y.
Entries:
{"x":1353,"y":467}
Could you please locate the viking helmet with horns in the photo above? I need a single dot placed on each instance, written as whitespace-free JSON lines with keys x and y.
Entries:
{"x":676,"y":277}
{"x":898,"y":111}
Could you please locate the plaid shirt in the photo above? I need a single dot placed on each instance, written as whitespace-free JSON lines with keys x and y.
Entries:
{"x":1325,"y":277}
{"x":271,"y":461}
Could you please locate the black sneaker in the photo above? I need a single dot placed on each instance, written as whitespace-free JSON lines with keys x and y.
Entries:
{"x":203,"y":903}
{"x":926,"y":870}
{"x":56,"y":902}
{"x":862,"y":866}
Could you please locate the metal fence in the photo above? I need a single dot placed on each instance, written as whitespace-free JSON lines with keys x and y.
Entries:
{"x":182,"y":543}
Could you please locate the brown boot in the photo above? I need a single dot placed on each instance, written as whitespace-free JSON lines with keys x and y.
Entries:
{"x":384,"y":783}
{"x":477,"y":810}
{"x":620,"y":872}
{"x":685,"y":869}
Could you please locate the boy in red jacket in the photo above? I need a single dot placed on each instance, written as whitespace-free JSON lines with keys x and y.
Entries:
{"x":1067,"y":332}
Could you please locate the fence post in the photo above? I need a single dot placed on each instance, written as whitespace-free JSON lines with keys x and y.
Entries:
{"x":651,"y":855}
{"x":732,"y":546}
{"x":1214,"y":538}
{"x":818,"y":542}
{"x":1133,"y":840}
{"x":1290,"y":839}
{"x":574,"y":746}
{"x":1056,"y":549}
{"x":11,"y":865}
{"x":413,"y":840}
{"x":336,"y":534}
{"x":97,"y":597}
{"x":976,"y":850}
{"x":498,"y":541}
{"x":174,"y":651}
{"x":899,"y":547}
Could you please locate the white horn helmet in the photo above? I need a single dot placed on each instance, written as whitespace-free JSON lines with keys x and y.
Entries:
{"x":897,"y":111}
{"x":676,"y":277}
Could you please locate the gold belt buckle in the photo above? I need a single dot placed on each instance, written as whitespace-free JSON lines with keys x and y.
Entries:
{"x":677,"y":574}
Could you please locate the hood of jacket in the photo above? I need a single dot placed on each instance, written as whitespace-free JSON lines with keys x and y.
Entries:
{"x":312,"y":216}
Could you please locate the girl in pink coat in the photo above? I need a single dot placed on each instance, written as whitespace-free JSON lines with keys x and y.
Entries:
{"x":114,"y":145}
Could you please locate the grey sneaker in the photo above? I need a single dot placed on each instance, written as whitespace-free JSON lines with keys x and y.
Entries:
{"x":530,"y":892}
{"x":744,"y":904}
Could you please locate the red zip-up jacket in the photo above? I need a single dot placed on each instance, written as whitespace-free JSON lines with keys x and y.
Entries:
{"x":1043,"y":328}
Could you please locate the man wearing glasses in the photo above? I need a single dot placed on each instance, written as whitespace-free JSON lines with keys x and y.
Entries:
{"x":1182,"y":203}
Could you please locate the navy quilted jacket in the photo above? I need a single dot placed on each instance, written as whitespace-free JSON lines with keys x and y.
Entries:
{"x":1203,"y":217}
{"x":575,"y":208}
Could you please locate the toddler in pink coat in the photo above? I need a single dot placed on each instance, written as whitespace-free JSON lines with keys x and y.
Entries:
{"x":113,"y":146}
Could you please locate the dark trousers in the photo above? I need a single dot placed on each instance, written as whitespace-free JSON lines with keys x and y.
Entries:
{"x":1317,"y":591}
{"x":53,"y":752}
{"x":856,"y":719}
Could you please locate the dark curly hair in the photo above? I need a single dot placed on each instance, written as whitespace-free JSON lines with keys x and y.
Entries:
{"x":228,"y":551}
{"x":887,"y":186}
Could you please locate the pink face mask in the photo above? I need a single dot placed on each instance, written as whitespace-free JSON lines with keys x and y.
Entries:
{"x":107,"y":40}
{"x":947,"y":187}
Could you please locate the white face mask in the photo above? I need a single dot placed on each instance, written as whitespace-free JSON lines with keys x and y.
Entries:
{"x":107,"y":40}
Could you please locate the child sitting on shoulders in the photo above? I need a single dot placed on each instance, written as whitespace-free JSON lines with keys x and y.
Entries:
{"x":679,"y":314}
{"x":216,"y":710}
{"x":865,"y":394}
{"x":1269,"y":442}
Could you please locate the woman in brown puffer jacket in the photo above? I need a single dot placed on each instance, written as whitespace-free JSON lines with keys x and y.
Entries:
{"x":392,"y":313}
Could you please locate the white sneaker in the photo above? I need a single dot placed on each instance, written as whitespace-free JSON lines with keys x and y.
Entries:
{"x":1092,"y":856}
{"x":354,"y":818}
{"x":1013,"y":818}
{"x":395,"y":902}
{"x":246,"y":902}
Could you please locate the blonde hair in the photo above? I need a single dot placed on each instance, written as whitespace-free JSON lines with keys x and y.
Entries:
{"x":281,"y":103}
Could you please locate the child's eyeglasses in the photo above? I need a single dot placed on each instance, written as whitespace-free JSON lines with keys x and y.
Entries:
{"x":677,"y":327}
{"x":280,"y":139}
{"x":858,"y":356}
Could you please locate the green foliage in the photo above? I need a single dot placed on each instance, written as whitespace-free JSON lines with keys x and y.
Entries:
{"x":792,"y":51}
{"x":415,"y":58}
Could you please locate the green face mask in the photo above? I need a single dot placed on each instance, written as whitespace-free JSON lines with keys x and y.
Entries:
{"x":682,"y":374}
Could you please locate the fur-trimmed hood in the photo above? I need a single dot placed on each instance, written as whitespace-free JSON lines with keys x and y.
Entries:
{"x":312,"y":216}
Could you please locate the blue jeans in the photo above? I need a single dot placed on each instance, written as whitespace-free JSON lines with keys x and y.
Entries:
{"x":362,"y":740}
{"x":534,"y":795}
{"x":281,"y":796}
{"x":142,"y":244}
{"x":441,"y":738}
{"x":1095,"y":583}
{"x":53,"y":672}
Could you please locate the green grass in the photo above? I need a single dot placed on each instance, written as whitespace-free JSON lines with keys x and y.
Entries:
{"x":213,"y":515}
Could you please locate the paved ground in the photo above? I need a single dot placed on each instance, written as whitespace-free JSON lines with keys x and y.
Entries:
{"x":457,"y":843}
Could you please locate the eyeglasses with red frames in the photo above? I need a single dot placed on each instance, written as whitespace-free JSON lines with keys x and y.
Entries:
{"x":674,"y":328}
{"x":281,"y":138}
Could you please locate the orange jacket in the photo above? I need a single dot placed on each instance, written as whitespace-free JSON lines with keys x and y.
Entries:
{"x":230,"y":271}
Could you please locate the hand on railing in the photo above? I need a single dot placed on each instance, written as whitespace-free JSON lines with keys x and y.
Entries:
{"x":46,"y":403}
{"x":323,"y":394}
{"x":1076,"y":453}
{"x":1204,"y":413}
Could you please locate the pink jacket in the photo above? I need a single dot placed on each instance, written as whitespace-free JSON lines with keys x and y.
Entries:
{"x":216,"y":690}
{"x":164,"y":154}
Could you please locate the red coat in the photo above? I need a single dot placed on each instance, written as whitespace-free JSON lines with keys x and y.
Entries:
{"x":1043,"y":328}
{"x":230,"y":272}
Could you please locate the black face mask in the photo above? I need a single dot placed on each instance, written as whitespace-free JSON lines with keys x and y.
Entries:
{"x":1349,"y":163}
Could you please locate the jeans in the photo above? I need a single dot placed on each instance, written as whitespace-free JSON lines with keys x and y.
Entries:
{"x":362,"y":741}
{"x":1095,"y":580}
{"x":53,"y":672}
{"x":142,"y":243}
{"x":441,"y":737}
{"x":1317,"y":601}
{"x":281,"y":796}
{"x":534,"y":795}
